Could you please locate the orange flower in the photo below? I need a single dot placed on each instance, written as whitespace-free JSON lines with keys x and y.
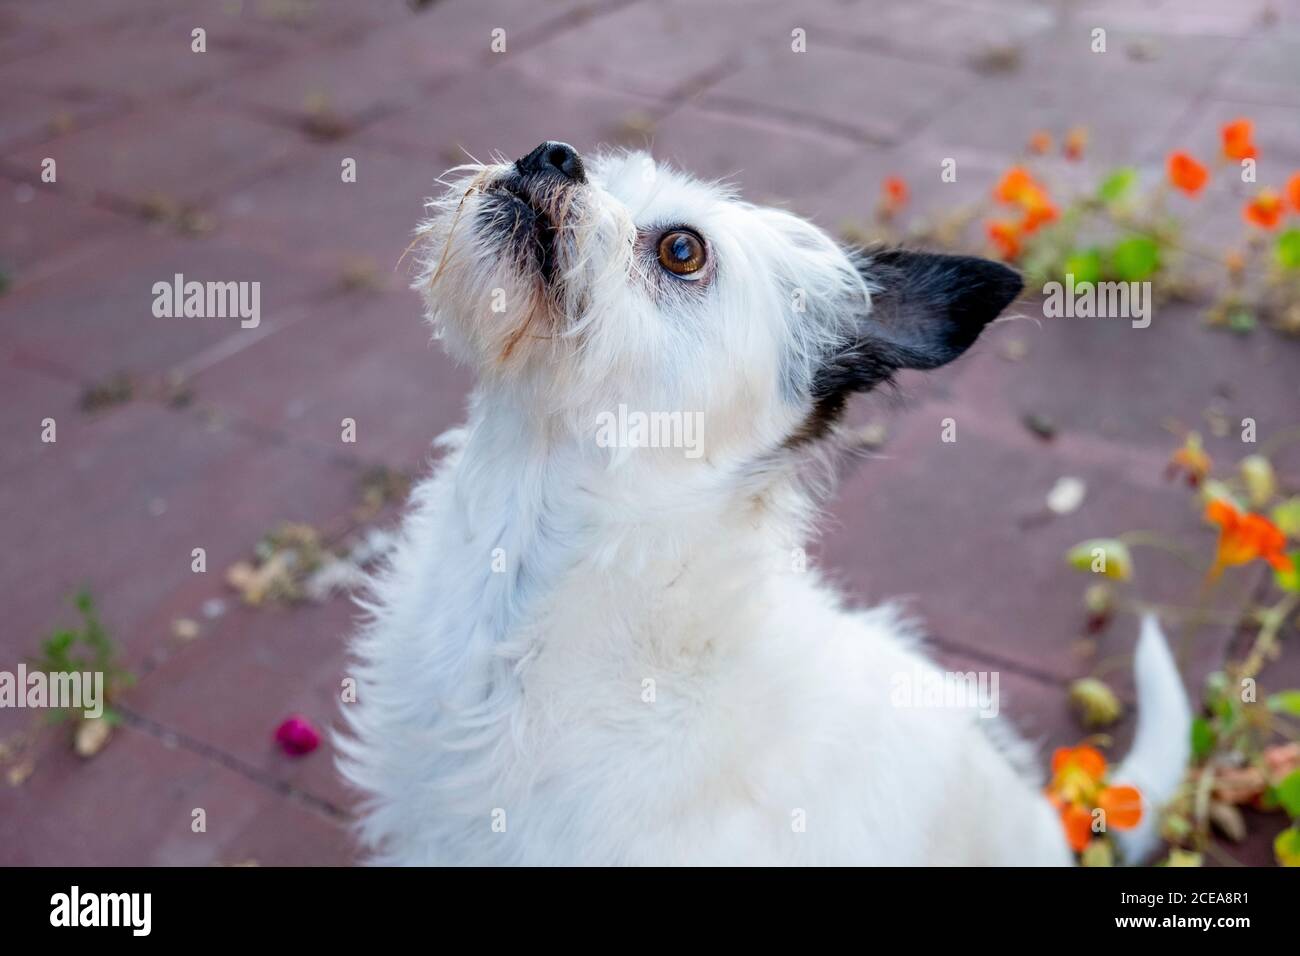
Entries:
{"x":1005,"y":236}
{"x":1238,"y":139}
{"x":893,"y":192}
{"x":1243,"y":537}
{"x":1265,"y":210}
{"x":1085,"y":760}
{"x":1013,"y":185}
{"x":1078,"y":787}
{"x":1077,"y":821}
{"x":1038,"y":210}
{"x":1122,"y":806}
{"x":1075,"y":141}
{"x":1040,"y":142}
{"x":1293,"y":191}
{"x":1019,"y":188}
{"x":1186,"y":173}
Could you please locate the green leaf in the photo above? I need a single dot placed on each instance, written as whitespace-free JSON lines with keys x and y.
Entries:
{"x":1098,"y":853}
{"x":1084,"y":264}
{"x":1287,"y":517}
{"x":57,"y":645}
{"x":1242,"y":321}
{"x":1287,"y":847}
{"x":1117,"y":185}
{"x":1287,"y":249}
{"x":1135,"y":259}
{"x":1106,"y":556}
{"x":1288,"y":793}
{"x":1202,"y":738}
{"x":1285,"y":702}
{"x":1289,"y":578}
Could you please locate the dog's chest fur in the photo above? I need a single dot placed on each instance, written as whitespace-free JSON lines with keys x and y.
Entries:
{"x":526,"y":697}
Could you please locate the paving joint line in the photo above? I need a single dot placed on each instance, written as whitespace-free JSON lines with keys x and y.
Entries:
{"x":213,"y":754}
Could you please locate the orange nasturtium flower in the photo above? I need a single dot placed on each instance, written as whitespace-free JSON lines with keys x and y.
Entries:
{"x":1293,"y":191}
{"x":1265,"y":210}
{"x":1079,"y":787}
{"x":1076,"y":140}
{"x":1186,"y":173}
{"x":1040,"y":142}
{"x":893,"y":193}
{"x":1238,"y":139}
{"x":1018,"y":187}
{"x":1038,"y":210}
{"x":1005,"y":236}
{"x":1014,"y":184}
{"x":1243,"y":537}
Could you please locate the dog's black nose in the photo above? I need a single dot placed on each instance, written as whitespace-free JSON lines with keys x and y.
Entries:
{"x":552,"y":157}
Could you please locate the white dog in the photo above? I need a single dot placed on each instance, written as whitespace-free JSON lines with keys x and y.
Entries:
{"x":596,"y":644}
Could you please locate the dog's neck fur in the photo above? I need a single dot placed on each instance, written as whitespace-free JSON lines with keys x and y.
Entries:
{"x":569,"y":526}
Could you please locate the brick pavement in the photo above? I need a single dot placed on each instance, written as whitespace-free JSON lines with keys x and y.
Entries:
{"x":226,"y":164}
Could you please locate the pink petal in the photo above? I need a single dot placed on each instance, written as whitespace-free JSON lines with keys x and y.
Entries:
{"x":297,"y":735}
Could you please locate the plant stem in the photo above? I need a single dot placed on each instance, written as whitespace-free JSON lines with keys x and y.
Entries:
{"x":1137,"y":607}
{"x":1219,"y":853}
{"x":1271,"y":621}
{"x":1201,"y":806}
{"x":1284,"y":437}
{"x":1154,"y":539}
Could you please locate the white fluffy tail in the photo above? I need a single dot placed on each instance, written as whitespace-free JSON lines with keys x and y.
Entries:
{"x":1162,"y":743}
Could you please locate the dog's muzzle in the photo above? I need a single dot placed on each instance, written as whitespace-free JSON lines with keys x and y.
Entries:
{"x":534,"y":197}
{"x":552,"y":159}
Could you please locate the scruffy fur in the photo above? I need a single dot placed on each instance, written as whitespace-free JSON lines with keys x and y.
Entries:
{"x":591,"y":655}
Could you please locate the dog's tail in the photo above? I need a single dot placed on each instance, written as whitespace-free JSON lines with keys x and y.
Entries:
{"x":1162,"y":743}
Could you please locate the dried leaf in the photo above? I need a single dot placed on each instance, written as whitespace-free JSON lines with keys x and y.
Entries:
{"x":1040,"y":425}
{"x":1066,"y":495}
{"x":1095,"y":703}
{"x":17,"y":775}
{"x":1229,"y":821}
{"x":91,"y":736}
{"x":872,"y":435}
{"x":1237,"y":785}
{"x":1014,"y":350}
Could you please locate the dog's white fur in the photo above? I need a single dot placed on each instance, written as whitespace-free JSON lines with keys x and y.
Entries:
{"x":586,"y":655}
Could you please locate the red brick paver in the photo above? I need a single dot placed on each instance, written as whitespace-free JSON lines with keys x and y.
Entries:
{"x":226,"y":165}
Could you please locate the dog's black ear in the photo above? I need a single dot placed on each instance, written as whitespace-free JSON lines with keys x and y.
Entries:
{"x":926,"y":309}
{"x":930,"y":308}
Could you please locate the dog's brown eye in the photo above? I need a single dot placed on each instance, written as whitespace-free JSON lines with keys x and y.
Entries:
{"x":681,"y":252}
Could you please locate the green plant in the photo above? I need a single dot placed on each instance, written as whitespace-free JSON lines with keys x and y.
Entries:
{"x":1287,"y":793}
{"x":86,"y":648}
{"x":1244,"y":749}
{"x":1131,"y":231}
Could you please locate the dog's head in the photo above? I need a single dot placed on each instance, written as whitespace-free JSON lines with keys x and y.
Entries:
{"x":586,"y":285}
